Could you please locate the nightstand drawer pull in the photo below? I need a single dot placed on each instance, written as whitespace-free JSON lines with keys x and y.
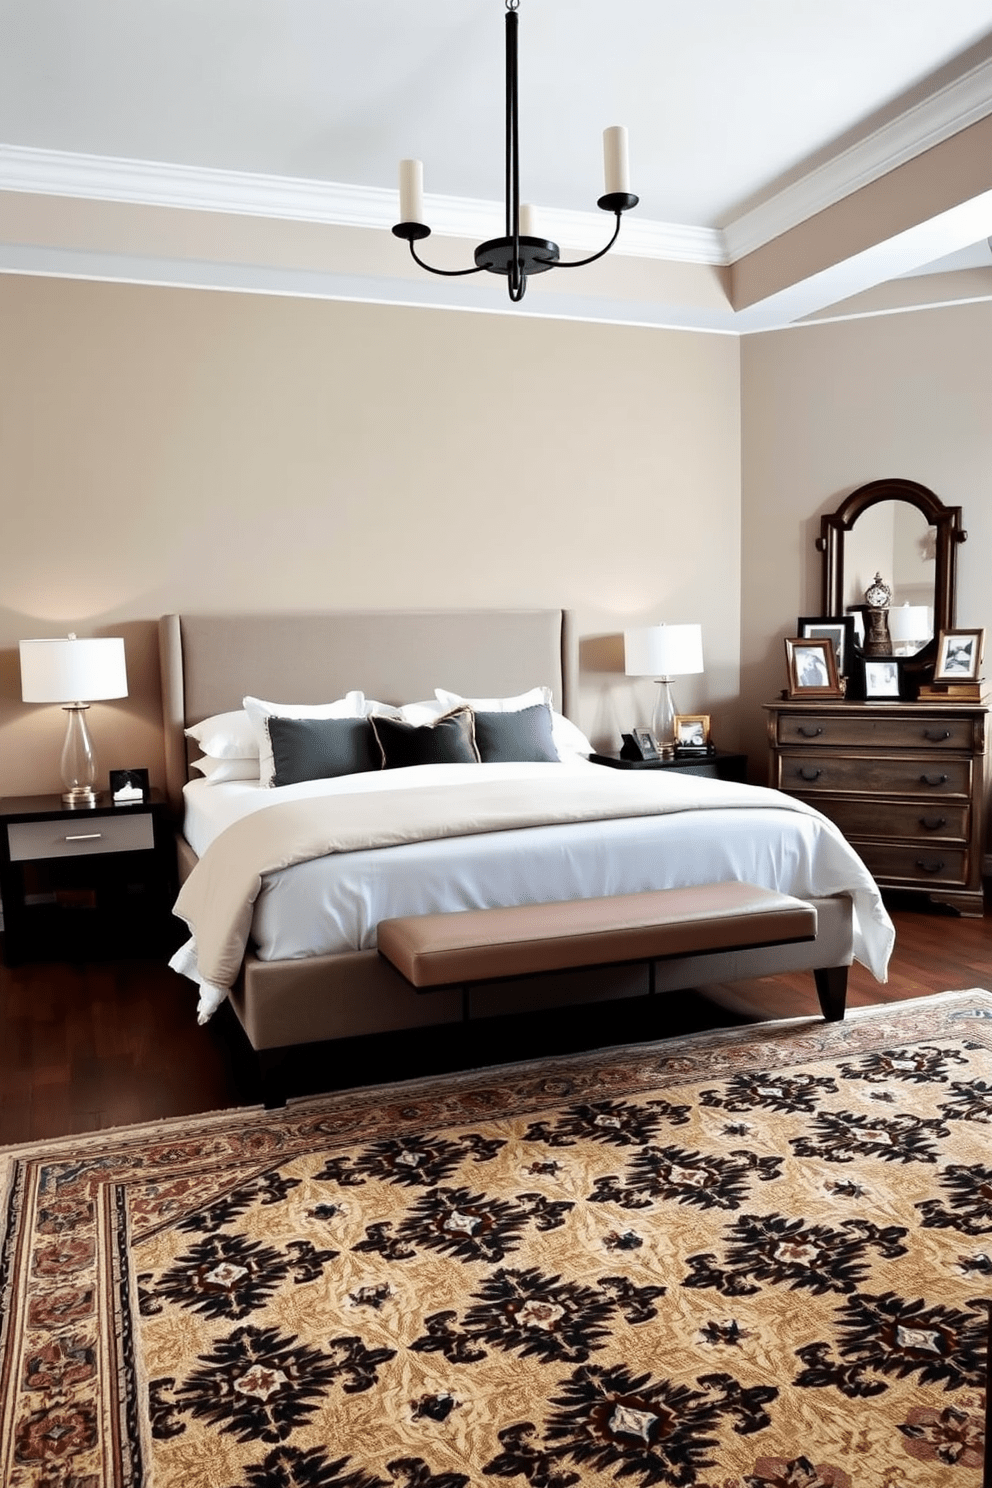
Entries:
{"x":937,"y":867}
{"x":936,"y":736}
{"x":933,"y":779}
{"x":933,"y":823}
{"x":83,"y":836}
{"x":808,"y":733}
{"x":805,"y":774}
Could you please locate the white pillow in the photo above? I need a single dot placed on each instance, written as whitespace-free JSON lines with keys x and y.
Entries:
{"x":497,"y":705}
{"x":568,"y":737}
{"x":219,"y":770}
{"x":416,"y":713}
{"x":226,"y":736}
{"x":352,"y":705}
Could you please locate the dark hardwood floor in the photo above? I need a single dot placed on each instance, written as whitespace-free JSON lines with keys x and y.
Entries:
{"x":106,"y":1044}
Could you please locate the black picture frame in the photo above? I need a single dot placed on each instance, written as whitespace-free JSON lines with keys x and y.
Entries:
{"x":840,"y":629}
{"x":129,"y":781}
{"x":883,"y":679}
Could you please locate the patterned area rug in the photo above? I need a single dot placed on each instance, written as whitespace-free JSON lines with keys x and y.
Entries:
{"x":757,"y":1258}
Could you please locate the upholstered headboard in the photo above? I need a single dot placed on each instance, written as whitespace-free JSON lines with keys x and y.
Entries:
{"x":210,"y":662}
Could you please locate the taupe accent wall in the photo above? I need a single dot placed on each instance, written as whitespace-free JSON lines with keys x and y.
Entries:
{"x":824,"y":410}
{"x":166,"y":450}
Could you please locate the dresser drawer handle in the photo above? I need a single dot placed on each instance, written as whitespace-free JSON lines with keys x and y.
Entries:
{"x":933,"y":823}
{"x":808,"y":774}
{"x":808,"y":733}
{"x":83,"y":837}
{"x":929,"y":867}
{"x":933,"y":779}
{"x":935,"y":735}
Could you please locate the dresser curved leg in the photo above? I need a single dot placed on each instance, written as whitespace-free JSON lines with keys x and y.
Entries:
{"x":831,"y":989}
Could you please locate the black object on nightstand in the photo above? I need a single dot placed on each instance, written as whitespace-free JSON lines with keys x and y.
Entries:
{"x":718,"y":764}
{"x":86,"y":883}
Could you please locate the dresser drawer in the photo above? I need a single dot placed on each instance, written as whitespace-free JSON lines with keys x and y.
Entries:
{"x":816,"y":730}
{"x":73,"y":839}
{"x":947,"y":821}
{"x":807,"y":772}
{"x":923,"y":865}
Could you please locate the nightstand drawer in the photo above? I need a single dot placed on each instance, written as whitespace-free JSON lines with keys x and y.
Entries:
{"x":74,"y":839}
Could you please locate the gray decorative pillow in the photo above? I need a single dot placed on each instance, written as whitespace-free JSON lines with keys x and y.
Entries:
{"x":450,"y":740}
{"x":502,"y":738}
{"x":320,"y":748}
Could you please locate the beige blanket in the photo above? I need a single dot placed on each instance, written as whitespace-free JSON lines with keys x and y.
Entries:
{"x":216,"y":900}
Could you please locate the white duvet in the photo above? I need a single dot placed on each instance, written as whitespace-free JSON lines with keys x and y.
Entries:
{"x":334,"y":903}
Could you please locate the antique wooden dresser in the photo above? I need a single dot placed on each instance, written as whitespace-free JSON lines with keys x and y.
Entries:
{"x":905,"y":782}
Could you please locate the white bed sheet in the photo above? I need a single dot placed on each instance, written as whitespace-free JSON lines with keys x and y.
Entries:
{"x":335,"y":903}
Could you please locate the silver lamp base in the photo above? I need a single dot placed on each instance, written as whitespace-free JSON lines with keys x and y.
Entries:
{"x":81,"y":795}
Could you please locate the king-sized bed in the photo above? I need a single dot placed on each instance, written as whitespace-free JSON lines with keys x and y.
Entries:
{"x":284,"y":884}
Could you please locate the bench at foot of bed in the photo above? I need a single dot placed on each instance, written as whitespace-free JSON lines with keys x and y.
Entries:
{"x":469,"y":947}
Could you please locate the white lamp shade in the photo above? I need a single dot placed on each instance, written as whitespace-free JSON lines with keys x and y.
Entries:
{"x":67,"y":670}
{"x":910,"y":622}
{"x":663,"y":651}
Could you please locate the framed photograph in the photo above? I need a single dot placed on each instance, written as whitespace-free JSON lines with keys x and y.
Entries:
{"x":838,"y":629}
{"x":129,"y":787}
{"x":882,"y":678}
{"x":959,"y":656}
{"x":692,"y":731}
{"x":646,"y":743}
{"x":812,"y":666}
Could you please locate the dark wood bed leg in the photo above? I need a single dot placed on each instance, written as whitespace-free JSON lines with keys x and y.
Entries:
{"x":831,"y":989}
{"x":272,"y":1076}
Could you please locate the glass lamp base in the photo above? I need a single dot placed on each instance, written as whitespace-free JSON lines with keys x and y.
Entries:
{"x":663,"y":726}
{"x":78,"y":759}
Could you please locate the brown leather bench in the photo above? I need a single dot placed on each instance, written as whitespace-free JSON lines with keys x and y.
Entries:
{"x":483,"y":945}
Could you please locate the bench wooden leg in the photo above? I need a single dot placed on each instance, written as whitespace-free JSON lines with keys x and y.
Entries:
{"x":831,"y":989}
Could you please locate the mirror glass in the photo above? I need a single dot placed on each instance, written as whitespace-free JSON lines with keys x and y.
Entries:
{"x":893,"y":538}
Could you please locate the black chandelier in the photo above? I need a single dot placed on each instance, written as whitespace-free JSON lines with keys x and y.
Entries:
{"x":518,"y":253}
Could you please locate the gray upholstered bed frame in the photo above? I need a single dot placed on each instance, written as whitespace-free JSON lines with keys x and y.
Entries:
{"x":209,"y":662}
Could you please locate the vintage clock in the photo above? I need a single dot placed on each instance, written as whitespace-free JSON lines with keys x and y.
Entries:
{"x":878,"y":642}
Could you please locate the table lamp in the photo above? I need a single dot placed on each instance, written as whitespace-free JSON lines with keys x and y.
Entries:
{"x":74,"y":673}
{"x":663,"y":652}
{"x":910,"y":628}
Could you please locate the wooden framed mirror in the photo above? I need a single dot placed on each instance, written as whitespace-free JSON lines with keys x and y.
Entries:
{"x":909,"y":536}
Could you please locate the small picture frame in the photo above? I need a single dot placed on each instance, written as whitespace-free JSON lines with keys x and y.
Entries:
{"x":959,"y":656}
{"x":646,"y":743}
{"x":812,"y":667}
{"x":839,"y":629}
{"x":129,"y":787}
{"x":692,"y":732}
{"x":882,"y":678}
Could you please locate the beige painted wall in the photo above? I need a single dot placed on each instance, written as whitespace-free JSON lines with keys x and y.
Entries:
{"x":165,"y":449}
{"x":826,"y":409}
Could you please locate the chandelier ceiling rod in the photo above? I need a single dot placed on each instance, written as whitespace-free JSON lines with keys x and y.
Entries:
{"x":518,"y":253}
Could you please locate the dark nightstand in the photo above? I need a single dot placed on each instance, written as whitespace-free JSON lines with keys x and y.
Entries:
{"x":89,"y":883}
{"x":720,"y":765}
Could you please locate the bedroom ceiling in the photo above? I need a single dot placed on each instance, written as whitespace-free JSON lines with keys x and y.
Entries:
{"x":794,"y":158}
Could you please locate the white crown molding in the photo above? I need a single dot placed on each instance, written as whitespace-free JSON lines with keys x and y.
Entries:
{"x":149,"y":183}
{"x":937,"y":118}
{"x":195,"y":188}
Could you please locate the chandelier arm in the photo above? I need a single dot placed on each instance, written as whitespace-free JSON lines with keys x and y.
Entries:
{"x":448,"y":273}
{"x":579,"y":263}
